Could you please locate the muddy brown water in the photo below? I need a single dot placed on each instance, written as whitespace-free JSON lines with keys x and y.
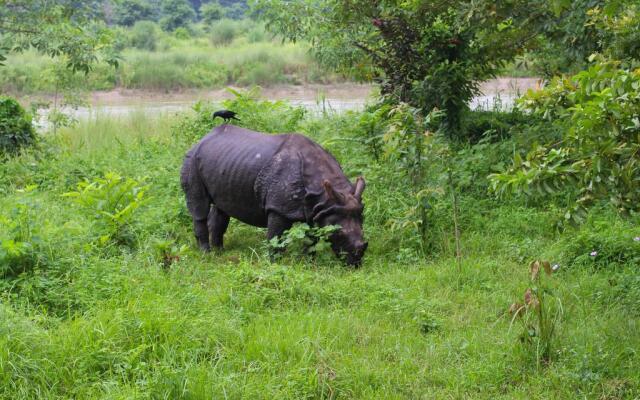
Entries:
{"x":334,"y":98}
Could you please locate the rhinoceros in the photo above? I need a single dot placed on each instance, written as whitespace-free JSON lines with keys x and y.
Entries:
{"x":270,"y":181}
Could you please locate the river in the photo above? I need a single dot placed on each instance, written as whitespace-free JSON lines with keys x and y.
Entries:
{"x":499,"y":92}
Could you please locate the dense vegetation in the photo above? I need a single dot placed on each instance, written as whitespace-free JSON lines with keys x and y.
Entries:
{"x":228,"y":52}
{"x":98,"y":302}
{"x":504,"y":244}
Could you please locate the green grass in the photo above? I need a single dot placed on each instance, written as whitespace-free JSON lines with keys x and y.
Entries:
{"x":92,"y":321}
{"x":250,"y":58}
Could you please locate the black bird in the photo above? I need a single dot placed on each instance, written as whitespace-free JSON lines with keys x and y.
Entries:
{"x":226,"y":115}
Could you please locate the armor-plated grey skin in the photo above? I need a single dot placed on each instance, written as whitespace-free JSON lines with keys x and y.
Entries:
{"x":270,"y":181}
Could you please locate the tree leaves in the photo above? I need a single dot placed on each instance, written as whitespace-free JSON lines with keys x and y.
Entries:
{"x":597,"y":158}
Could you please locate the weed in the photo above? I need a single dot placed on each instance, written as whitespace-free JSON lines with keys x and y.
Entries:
{"x":112,"y":201}
{"x":301,"y":239}
{"x":540,"y":314}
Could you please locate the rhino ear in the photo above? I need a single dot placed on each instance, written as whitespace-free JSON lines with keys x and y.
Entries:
{"x":330,"y":192}
{"x":360,"y":185}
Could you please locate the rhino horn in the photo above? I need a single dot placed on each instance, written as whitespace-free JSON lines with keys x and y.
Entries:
{"x":360,"y":185}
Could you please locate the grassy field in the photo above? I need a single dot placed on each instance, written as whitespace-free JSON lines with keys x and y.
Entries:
{"x":93,"y":318}
{"x":233,"y":52}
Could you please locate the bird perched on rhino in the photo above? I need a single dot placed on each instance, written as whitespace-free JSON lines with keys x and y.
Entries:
{"x":226,"y":115}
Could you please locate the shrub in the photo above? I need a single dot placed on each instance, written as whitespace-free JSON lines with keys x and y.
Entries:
{"x":128,"y":12}
{"x":259,"y":115}
{"x":177,"y":13}
{"x":182,"y":33}
{"x":16,"y":130}
{"x":301,"y":239}
{"x":539,"y":314}
{"x":256,"y":34}
{"x":113,"y":202}
{"x":603,"y":244}
{"x":597,"y":157}
{"x":211,"y":12}
{"x":144,"y":35}
{"x":223,"y":32}
{"x":265,"y":116}
{"x":19,"y":244}
{"x":495,"y":124}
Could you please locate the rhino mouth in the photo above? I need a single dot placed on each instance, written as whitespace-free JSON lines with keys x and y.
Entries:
{"x":352,"y":258}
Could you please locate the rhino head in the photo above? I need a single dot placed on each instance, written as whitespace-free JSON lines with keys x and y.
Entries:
{"x":345,"y":210}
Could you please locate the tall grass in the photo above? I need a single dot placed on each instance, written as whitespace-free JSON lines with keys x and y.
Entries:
{"x":96,"y":321}
{"x":232,"y":53}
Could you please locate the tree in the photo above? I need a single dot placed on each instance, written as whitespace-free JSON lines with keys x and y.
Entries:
{"x":596,"y":158}
{"x":571,"y":31}
{"x":128,"y":12}
{"x":176,"y":14}
{"x":430,"y":54}
{"x":64,"y":28}
{"x":212,"y":11}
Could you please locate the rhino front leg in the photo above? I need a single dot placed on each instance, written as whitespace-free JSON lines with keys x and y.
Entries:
{"x":218,"y":223}
{"x":276,"y":225}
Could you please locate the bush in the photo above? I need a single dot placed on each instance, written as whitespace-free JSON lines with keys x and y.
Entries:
{"x":600,"y":243}
{"x":177,"y":13}
{"x":223,"y":32}
{"x":597,"y":157}
{"x":20,"y":244}
{"x":128,"y":12}
{"x":211,"y":12}
{"x":182,"y":33}
{"x":112,"y":201}
{"x":259,"y":115}
{"x":496,"y":124}
{"x":16,"y":129}
{"x":144,"y":35}
{"x":302,"y":240}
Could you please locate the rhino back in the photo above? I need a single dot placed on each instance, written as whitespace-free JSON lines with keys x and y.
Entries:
{"x":228,"y":160}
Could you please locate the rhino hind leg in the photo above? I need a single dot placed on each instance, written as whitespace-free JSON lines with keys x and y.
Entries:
{"x":199,"y":211}
{"x":198,"y":202}
{"x":218,"y":222}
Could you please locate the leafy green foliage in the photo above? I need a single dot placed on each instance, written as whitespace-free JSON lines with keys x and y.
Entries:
{"x":63,"y":28}
{"x":112,"y":201}
{"x":571,"y":31}
{"x":256,"y":114}
{"x":223,"y":32}
{"x":90,"y":323}
{"x":540,"y":313}
{"x":169,"y":252}
{"x":16,"y":129}
{"x":603,"y":244}
{"x":597,"y":158}
{"x":144,"y":35}
{"x":431,"y":55}
{"x":211,"y":12}
{"x":176,"y":14}
{"x":301,"y":239}
{"x":263,"y":115}
{"x":20,"y":243}
{"x":129,"y":12}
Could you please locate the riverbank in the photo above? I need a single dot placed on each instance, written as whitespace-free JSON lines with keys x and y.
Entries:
{"x":505,"y":86}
